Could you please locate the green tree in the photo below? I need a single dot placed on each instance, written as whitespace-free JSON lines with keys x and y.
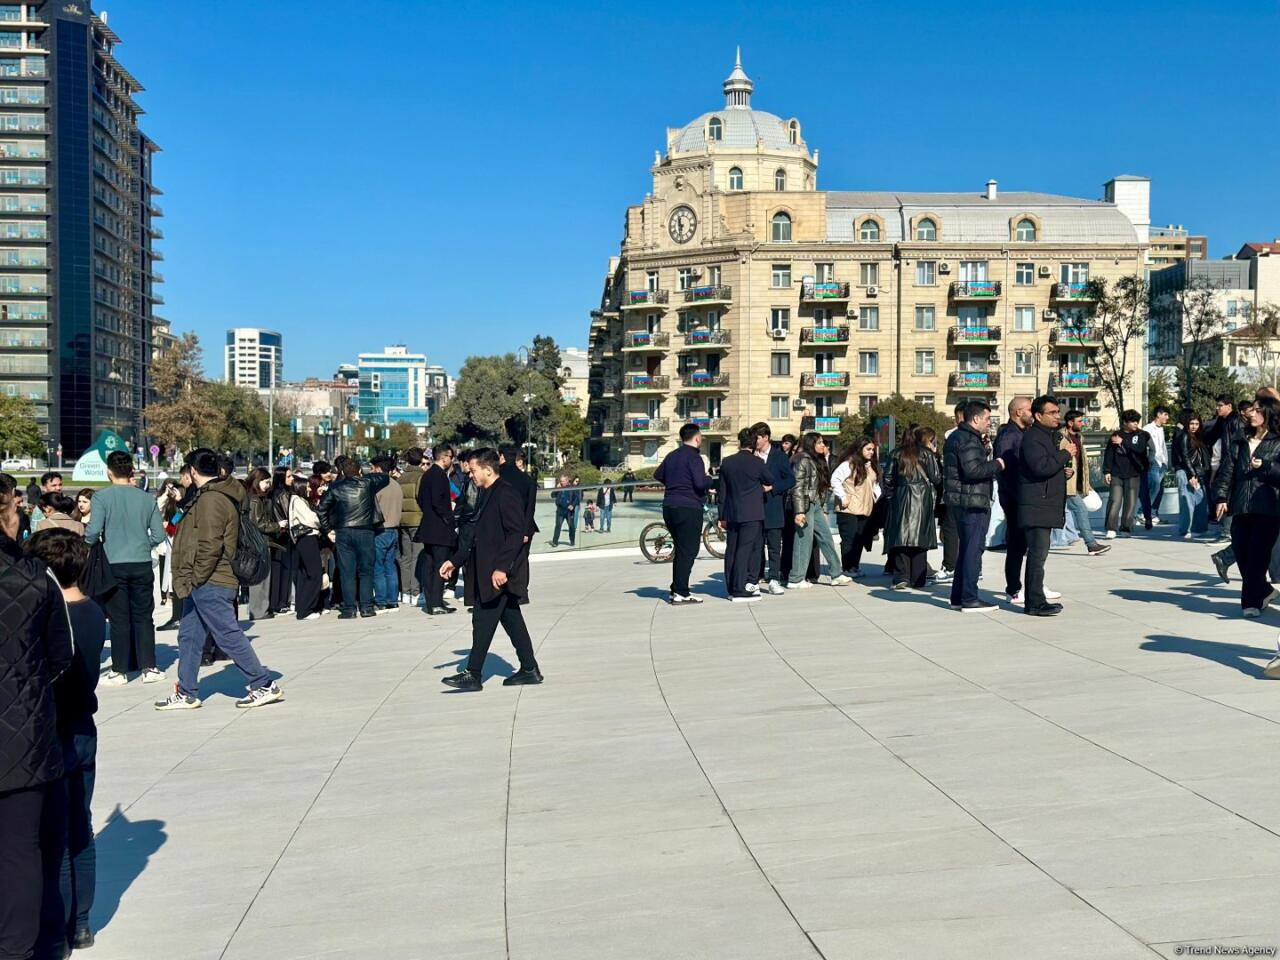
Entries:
{"x":403,"y":436}
{"x":19,"y":432}
{"x":1210,"y":381}
{"x":489,"y":405}
{"x":544,"y":359}
{"x":1120,"y":317}
{"x":1162,"y":391}
{"x":570,"y":431}
{"x":241,"y":425}
{"x":181,"y":407}
{"x":905,"y":413}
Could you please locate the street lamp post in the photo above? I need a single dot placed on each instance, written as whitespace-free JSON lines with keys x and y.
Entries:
{"x":524,"y":357}
{"x":115,"y":378}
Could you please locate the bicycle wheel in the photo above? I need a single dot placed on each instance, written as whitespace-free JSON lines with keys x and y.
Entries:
{"x":657,"y":544}
{"x":714,"y":539}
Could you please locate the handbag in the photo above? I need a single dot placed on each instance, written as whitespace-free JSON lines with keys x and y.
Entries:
{"x":96,"y":578}
{"x":1092,"y":501}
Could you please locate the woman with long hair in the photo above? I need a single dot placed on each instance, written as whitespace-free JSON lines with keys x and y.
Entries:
{"x":84,"y":505}
{"x":282,"y":553}
{"x":809,"y":494}
{"x":304,"y":529}
{"x":912,"y":490}
{"x":262,"y":515}
{"x":317,"y":485}
{"x":1248,"y":482}
{"x":1191,"y":468}
{"x":854,"y":484}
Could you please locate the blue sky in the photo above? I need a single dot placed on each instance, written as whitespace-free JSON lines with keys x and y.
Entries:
{"x":454,"y":176}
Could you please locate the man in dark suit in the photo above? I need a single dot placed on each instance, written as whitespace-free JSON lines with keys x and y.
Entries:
{"x":497,"y":579}
{"x":512,"y":471}
{"x":744,"y":481}
{"x":784,"y":478}
{"x":437,"y":532}
{"x":1043,"y":461}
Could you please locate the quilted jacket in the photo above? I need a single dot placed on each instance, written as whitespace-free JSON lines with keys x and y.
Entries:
{"x":35,"y":648}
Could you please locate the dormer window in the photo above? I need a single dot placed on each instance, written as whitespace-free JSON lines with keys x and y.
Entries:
{"x":793,"y":129}
{"x":1025,"y":231}
{"x":926,"y":229}
{"x":735,"y":178}
{"x":869,"y":232}
{"x":715,"y":129}
{"x":780,"y":180}
{"x":781,"y":228}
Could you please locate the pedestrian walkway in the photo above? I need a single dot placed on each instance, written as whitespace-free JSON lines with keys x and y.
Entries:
{"x":840,"y":773}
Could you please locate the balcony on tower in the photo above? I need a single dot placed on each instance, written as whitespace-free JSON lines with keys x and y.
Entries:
{"x":1074,"y":335}
{"x":710,"y":295}
{"x":645,"y":383}
{"x":824,"y":291}
{"x":824,"y":380}
{"x":703,"y":380}
{"x":974,"y":381}
{"x":713,"y":426}
{"x":640,"y":424}
{"x":645,"y":300}
{"x":975,"y":290}
{"x":1078,"y":291}
{"x":698,"y":339}
{"x":824,"y":336}
{"x":641,"y":341}
{"x":823,"y":425}
{"x":1073,"y":381}
{"x":967,"y":335}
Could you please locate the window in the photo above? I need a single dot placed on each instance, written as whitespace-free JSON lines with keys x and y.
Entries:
{"x":1025,"y":231}
{"x":869,"y":274}
{"x":824,"y":407}
{"x":1231,"y":308}
{"x":793,"y":129}
{"x":780,"y":319}
{"x":714,"y":408}
{"x":686,"y":320}
{"x":684,"y":407}
{"x":735,"y":178}
{"x":653,"y":321}
{"x":684,"y":278}
{"x":781,"y":228}
{"x":869,"y":362}
{"x":926,"y":229}
{"x":1024,"y":274}
{"x":1023,"y":363}
{"x":869,"y":232}
{"x":712,"y":320}
{"x":687,"y":364}
{"x":973,"y":271}
{"x":868,"y":318}
{"x":780,"y":180}
{"x":781,"y":276}
{"x":866,"y":401}
{"x":926,"y":273}
{"x":1024,"y":318}
{"x":926,"y":399}
{"x":1075,"y":273}
{"x":826,"y":272}
{"x":924,"y":363}
{"x":924,"y":318}
{"x":713,"y":276}
{"x":715,"y":129}
{"x":821,"y":316}
{"x":779,"y":364}
{"x":651,"y":281}
{"x":973,"y":362}
{"x":779,"y":407}
{"x":824,"y":362}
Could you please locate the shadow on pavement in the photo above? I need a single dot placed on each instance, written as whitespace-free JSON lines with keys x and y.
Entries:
{"x":1234,"y":655}
{"x":123,"y":849}
{"x":1185,"y":602}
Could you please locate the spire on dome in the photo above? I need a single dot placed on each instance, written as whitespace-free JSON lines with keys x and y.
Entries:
{"x":738,"y":86}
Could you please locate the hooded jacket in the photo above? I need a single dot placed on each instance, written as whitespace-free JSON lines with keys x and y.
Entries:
{"x":207,"y":537}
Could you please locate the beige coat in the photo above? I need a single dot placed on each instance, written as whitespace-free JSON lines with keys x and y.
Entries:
{"x":859,"y":498}
{"x":1078,"y":483}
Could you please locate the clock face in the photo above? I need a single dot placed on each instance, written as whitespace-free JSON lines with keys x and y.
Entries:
{"x":682,"y":225}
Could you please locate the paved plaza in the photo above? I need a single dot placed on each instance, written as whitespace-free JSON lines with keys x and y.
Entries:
{"x":843,"y":773}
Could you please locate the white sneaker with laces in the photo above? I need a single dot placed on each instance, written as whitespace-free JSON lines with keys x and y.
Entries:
{"x":113,"y":679}
{"x":1111,"y":534}
{"x":752,"y":588}
{"x":775,"y":588}
{"x":943,"y":577}
{"x":312,"y":616}
{"x":749,"y":598}
{"x":176,"y":701}
{"x":1052,"y":594}
{"x":802,"y":585}
{"x":841,"y":580}
{"x":260,"y":697}
{"x":152,"y":676}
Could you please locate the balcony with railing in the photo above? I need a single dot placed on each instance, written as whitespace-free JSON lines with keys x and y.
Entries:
{"x":645,"y":299}
{"x":645,"y":383}
{"x":702,"y":380}
{"x":823,"y":292}
{"x":1077,"y":291}
{"x":824,"y":425}
{"x":639,"y":341}
{"x":707,"y":296}
{"x":975,"y":290}
{"x":1073,"y":381}
{"x":967,"y":336}
{"x":640,"y":424}
{"x":707,"y":340}
{"x":711,"y":425}
{"x":974,"y":381}
{"x":825,"y":336}
{"x":1064,"y":335}
{"x":826,"y":380}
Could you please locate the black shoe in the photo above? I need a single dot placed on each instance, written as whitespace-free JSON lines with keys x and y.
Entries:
{"x":83,"y":939}
{"x":975,"y":606}
{"x":206,"y":659}
{"x":1148,"y":524}
{"x":1048,"y":610}
{"x":170,"y":625}
{"x":370,"y":612}
{"x":466,"y":680}
{"x":521,"y":677}
{"x":440,"y":611}
{"x":347,"y":615}
{"x":1098,"y":549}
{"x":1220,"y":564}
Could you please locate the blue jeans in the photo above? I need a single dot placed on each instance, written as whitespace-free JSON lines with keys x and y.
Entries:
{"x":971,"y":524}
{"x":354,"y":549}
{"x":386,"y":568}
{"x":1151,"y":491}
{"x":212,"y":610}
{"x":1194,"y":515}
{"x":606,"y":519}
{"x":816,"y":529}
{"x":80,"y":858}
{"x":1080,"y":513}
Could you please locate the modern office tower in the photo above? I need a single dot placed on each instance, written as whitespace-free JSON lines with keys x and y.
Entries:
{"x":77,"y":215}
{"x":254,"y":358}
{"x":394,"y":386}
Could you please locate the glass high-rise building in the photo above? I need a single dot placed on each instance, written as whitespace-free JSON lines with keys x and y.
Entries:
{"x":394,"y":387}
{"x":77,"y":215}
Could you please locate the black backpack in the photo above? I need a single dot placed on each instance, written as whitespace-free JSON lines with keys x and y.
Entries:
{"x":252,"y":562}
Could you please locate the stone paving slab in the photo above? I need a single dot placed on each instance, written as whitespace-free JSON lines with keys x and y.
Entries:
{"x":839,"y":773}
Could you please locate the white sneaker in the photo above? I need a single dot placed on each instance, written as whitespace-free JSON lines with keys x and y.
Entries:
{"x":802,"y":585}
{"x":752,"y":588}
{"x":152,"y":676}
{"x":312,"y":616}
{"x":1155,"y":521}
{"x":1252,"y":613}
{"x":1052,"y":594}
{"x":260,"y":697}
{"x":1111,"y":534}
{"x":841,"y":580}
{"x":113,"y":679}
{"x":775,"y":588}
{"x":176,"y":701}
{"x":677,"y":600}
{"x":751,"y":598}
{"x":1186,"y":536}
{"x":1016,"y":598}
{"x":943,"y":577}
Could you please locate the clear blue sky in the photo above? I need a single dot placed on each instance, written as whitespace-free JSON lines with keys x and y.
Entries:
{"x":454,"y":176}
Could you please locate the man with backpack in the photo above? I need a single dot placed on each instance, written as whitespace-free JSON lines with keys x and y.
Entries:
{"x":207,"y":574}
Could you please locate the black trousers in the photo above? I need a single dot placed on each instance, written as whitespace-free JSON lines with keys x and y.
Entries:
{"x":850,"y":526}
{"x":910,"y":565}
{"x":485,"y":618}
{"x":1123,"y":502}
{"x":33,"y":831}
{"x":1253,"y":535}
{"x":310,"y":574}
{"x":972,"y":525}
{"x":685,"y":524}
{"x":282,"y":567}
{"x":742,"y":556}
{"x":434,"y":555}
{"x":130,"y":608}
{"x":1036,"y":543}
{"x":773,"y":547}
{"x":1015,"y":539}
{"x":950,"y":539}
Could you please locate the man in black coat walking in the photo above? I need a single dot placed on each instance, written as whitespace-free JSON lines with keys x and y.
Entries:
{"x":513,"y":472}
{"x":438,"y":531}
{"x":744,"y":481}
{"x":784,"y":478}
{"x":1043,"y":464}
{"x":497,"y":580}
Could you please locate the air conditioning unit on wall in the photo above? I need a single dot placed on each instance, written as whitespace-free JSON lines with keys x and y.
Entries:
{"x":873,"y":290}
{"x":778,"y":333}
{"x":797,"y":404}
{"x":1044,"y":271}
{"x":944,"y":267}
{"x":1049,"y":315}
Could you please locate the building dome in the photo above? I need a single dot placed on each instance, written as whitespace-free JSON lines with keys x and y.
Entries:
{"x":739,"y":125}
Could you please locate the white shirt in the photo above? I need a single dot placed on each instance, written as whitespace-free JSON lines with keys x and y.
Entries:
{"x":838,"y":478}
{"x":1160,"y":454}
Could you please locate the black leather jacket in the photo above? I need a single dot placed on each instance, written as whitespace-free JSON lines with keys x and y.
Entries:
{"x":968,"y":470}
{"x":911,"y":501}
{"x":1245,"y":488}
{"x":1193,"y":461}
{"x":351,"y":504}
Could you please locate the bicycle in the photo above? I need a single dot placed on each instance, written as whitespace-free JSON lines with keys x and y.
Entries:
{"x":659,"y":546}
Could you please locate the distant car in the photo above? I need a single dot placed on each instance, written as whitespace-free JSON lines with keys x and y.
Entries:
{"x":17,"y":464}
{"x":306,"y":466}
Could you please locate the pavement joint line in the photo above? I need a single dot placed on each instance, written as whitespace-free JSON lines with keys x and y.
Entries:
{"x":653,"y":663}
{"x":923,"y":776}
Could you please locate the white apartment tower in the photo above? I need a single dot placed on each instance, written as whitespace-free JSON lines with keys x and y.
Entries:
{"x":254,"y":358}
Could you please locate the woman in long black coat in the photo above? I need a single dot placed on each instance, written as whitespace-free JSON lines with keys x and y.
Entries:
{"x":912,"y":491}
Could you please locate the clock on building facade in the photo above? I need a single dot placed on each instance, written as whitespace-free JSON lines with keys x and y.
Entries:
{"x":682,"y":224}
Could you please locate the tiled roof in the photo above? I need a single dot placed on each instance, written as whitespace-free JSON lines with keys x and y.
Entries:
{"x":742,"y":128}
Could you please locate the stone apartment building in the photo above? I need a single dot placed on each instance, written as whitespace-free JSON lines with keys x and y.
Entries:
{"x":742,"y":292}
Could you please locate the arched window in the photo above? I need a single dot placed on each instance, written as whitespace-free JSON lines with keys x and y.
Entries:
{"x":715,"y":129}
{"x":781,"y":228}
{"x":869,"y":232}
{"x":926,"y":229}
{"x":794,"y":130}
{"x":780,"y":180}
{"x":735,"y":178}
{"x":1026,"y":230}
